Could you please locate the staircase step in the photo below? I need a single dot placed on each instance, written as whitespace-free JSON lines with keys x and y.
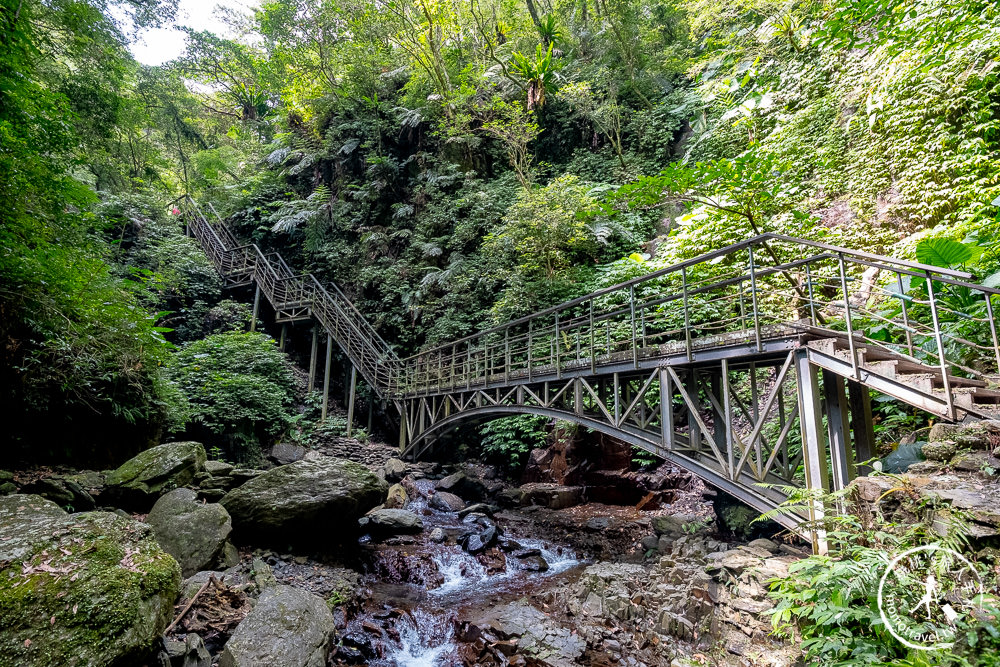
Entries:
{"x":886,"y":369}
{"x":922,"y":382}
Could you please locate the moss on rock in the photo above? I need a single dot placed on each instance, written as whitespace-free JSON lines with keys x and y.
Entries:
{"x":145,"y":477}
{"x":88,"y":589}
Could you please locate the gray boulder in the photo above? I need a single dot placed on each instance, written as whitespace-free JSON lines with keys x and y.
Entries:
{"x":84,"y":589}
{"x":193,"y":533}
{"x":147,"y":476}
{"x":462,"y":485}
{"x":446,"y":502}
{"x":288,"y":627}
{"x":63,"y":492}
{"x":218,"y":468}
{"x":291,"y":502}
{"x":286,"y":452}
{"x":391,"y":522}
{"x":553,"y":496}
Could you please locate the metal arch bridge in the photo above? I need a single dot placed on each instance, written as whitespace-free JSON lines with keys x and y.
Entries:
{"x":749,"y":366}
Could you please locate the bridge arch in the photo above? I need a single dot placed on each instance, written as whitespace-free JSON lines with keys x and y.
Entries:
{"x":745,"y":490}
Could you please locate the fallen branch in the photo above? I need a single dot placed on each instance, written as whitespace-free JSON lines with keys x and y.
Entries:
{"x":187,"y":607}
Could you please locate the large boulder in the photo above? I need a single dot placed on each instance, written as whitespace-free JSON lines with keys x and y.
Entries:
{"x":305,"y":501}
{"x":192,"y":532}
{"x":89,"y":589}
{"x":150,"y":474}
{"x":288,"y":627}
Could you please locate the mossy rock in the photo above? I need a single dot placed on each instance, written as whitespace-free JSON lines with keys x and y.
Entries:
{"x":145,"y":477}
{"x":91,"y":589}
{"x":291,"y":502}
{"x":194,"y":533}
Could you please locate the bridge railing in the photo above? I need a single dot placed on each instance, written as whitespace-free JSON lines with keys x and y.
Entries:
{"x":753,"y":290}
{"x":285,"y":290}
{"x":745,"y":293}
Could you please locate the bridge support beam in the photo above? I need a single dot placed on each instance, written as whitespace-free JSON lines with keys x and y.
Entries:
{"x":350,"y":399}
{"x":314,"y":352}
{"x":281,"y":340}
{"x":256,"y":309}
{"x":862,"y":426}
{"x":813,"y":444}
{"x":326,"y":376}
{"x":838,"y":429}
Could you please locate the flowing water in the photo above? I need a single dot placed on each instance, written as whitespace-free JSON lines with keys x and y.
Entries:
{"x":420,"y":589}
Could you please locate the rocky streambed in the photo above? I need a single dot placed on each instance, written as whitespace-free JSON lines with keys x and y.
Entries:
{"x":322,"y":561}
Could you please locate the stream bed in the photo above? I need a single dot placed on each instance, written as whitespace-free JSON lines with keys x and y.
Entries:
{"x":422,"y":587}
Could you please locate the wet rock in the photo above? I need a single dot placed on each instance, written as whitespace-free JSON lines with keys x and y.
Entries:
{"x":552,"y":496}
{"x":477,"y":508}
{"x":90,"y":588}
{"x":462,"y":485}
{"x":288,"y":627}
{"x":446,"y":502}
{"x":437,"y":535}
{"x":289,"y":501}
{"x":145,"y":477}
{"x":532,"y":563}
{"x":284,"y":453}
{"x":218,"y":468}
{"x":391,"y":522}
{"x":195,"y":534}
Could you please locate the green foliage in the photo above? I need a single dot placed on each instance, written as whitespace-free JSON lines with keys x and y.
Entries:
{"x":508,"y":440}
{"x":830,"y":601}
{"x":239,"y":389}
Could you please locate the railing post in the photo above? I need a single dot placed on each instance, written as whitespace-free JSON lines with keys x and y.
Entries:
{"x":631,"y":306}
{"x":847,"y":316}
{"x":906,"y":317}
{"x":593,"y":360}
{"x":506,"y":354}
{"x":556,"y":349}
{"x":454,"y":354}
{"x":531,"y":324}
{"x":753,"y":298}
{"x":993,"y":328}
{"x":945,"y":381}
{"x":687,"y":314}
{"x":812,"y":298}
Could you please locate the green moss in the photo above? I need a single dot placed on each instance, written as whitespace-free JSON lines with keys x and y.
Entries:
{"x":97,"y":594}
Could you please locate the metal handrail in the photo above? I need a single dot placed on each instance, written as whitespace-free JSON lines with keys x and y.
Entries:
{"x":649,"y":316}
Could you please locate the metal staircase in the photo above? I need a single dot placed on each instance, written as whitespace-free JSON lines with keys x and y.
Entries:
{"x":750,"y":365}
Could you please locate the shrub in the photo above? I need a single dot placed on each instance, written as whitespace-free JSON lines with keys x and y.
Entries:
{"x":240,"y":391}
{"x":508,"y":441}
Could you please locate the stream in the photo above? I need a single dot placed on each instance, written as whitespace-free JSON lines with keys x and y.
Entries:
{"x":422,"y":586}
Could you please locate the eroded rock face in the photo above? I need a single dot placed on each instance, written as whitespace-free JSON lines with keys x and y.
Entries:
{"x":192,"y":532}
{"x":289,"y":627}
{"x":553,"y":496}
{"x":89,"y":589}
{"x":305,"y":501}
{"x":145,"y":477}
